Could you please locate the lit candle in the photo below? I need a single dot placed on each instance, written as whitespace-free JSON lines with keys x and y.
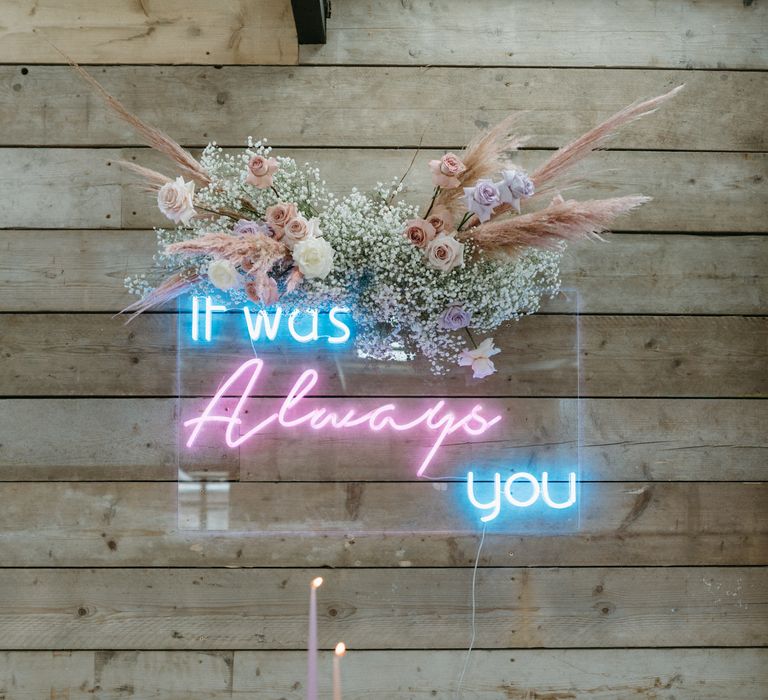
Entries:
{"x":312,"y":641}
{"x":341,"y":649}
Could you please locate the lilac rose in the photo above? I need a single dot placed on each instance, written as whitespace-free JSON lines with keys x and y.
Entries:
{"x":482,"y":198}
{"x":515,"y":186}
{"x":246,"y":226}
{"x":455,"y":318}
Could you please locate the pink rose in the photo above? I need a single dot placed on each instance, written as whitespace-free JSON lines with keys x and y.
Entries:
{"x":447,"y":170}
{"x":419,"y":232}
{"x":278,"y":215}
{"x":298,"y":229}
{"x":441,"y":219}
{"x":260,"y":171}
{"x":262,"y":290}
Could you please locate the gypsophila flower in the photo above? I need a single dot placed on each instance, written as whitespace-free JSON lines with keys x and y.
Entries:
{"x":398,"y":299}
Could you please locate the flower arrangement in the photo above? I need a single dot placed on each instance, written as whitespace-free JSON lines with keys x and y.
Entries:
{"x":262,"y":229}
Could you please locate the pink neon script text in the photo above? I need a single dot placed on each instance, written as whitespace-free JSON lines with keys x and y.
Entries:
{"x":290,"y":415}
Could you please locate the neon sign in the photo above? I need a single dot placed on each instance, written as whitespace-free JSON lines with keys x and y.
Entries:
{"x":249,"y":419}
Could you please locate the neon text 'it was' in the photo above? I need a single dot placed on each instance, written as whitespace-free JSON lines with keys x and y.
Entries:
{"x":303,"y":326}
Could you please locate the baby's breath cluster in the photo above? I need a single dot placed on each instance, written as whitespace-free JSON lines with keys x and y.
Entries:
{"x":407,"y":299}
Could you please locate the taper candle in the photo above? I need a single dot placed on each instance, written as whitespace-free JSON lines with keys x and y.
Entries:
{"x":341,"y":649}
{"x":312,"y":641}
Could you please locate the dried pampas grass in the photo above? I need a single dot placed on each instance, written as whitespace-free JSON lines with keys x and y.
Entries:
{"x":153,"y":180}
{"x":170,"y":288}
{"x":253,"y":252}
{"x":152,"y":136}
{"x":562,"y":220}
{"x":567,"y":156}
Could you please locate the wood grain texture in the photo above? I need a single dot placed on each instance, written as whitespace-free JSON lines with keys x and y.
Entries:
{"x":381,"y":609}
{"x":623,"y":440}
{"x":385,"y":107}
{"x":83,"y":270}
{"x":684,"y":34}
{"x":650,"y":356}
{"x":83,"y":675}
{"x":576,"y":674}
{"x":682,"y":674}
{"x":377,"y":524}
{"x":172,"y":31}
{"x":697,"y":192}
{"x":672,"y":544}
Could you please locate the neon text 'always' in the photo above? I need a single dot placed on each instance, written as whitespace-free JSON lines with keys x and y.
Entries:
{"x":436,"y":419}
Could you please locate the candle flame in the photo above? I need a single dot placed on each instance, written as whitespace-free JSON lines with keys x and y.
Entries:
{"x":341,"y":649}
{"x":317,"y":582}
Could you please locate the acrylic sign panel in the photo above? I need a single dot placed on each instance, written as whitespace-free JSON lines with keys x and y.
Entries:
{"x":284,"y":429}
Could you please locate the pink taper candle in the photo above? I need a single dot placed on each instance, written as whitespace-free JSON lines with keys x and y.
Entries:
{"x":312,"y":641}
{"x":341,"y":649}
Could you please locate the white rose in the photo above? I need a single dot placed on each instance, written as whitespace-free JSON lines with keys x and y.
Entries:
{"x":223,"y":275}
{"x":175,"y":200}
{"x":445,"y":252}
{"x":314,"y":257}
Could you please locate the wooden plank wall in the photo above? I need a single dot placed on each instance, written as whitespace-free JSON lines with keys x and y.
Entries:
{"x":663,"y":593}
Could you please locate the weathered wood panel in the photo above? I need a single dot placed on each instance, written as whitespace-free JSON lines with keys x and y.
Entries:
{"x":384,"y":107}
{"x":576,"y":674}
{"x":377,"y":524}
{"x":377,"y":609}
{"x":698,"y":192}
{"x":173,"y":31}
{"x":83,"y":675}
{"x":70,"y":270}
{"x":651,"y":356}
{"x":685,"y":34}
{"x":682,"y":674}
{"x":624,"y":439}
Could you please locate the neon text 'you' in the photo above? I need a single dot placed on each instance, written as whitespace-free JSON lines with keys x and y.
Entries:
{"x":302,"y":326}
{"x":534,"y":493}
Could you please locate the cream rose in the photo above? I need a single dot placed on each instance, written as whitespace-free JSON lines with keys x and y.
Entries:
{"x":299,"y":229}
{"x":314,"y":257}
{"x":223,"y":275}
{"x":445,"y":252}
{"x":175,"y":200}
{"x":419,"y":232}
{"x":278,"y":215}
{"x":260,"y":171}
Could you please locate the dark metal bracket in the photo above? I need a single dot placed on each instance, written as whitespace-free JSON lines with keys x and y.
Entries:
{"x":310,"y":17}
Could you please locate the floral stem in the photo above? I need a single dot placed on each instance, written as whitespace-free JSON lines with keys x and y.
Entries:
{"x":247,"y":203}
{"x":432,"y":203}
{"x":218,"y":213}
{"x":464,"y":220}
{"x":471,"y":339}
